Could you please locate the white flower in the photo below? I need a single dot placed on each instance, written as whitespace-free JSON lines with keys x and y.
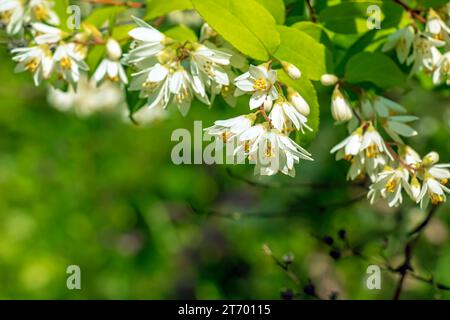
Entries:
{"x":409,"y":155}
{"x":425,"y":54}
{"x":328,"y":79}
{"x":414,"y":190}
{"x":46,"y":34}
{"x":350,"y":146}
{"x":401,"y":40}
{"x":433,"y":187}
{"x":284,"y":115}
{"x":68,"y":63}
{"x":292,"y":71}
{"x":41,"y":10}
{"x":207,"y":66}
{"x":298,"y":102}
{"x":436,"y":26}
{"x":373,"y":144}
{"x":153,"y":84}
{"x":430,"y":159}
{"x":183,"y":88}
{"x":272,"y":151}
{"x":231,"y":128}
{"x":388,"y":185}
{"x":88,"y":98}
{"x":442,"y":71}
{"x":261,"y":82}
{"x":12,"y":14}
{"x":150,"y":42}
{"x":37,"y":60}
{"x":340,"y":107}
{"x":110,"y":68}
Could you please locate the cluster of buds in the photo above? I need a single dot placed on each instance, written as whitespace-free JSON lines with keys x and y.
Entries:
{"x":280,"y":111}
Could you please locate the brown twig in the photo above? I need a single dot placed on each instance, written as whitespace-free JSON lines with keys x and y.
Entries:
{"x":130,"y":4}
{"x":414,"y":13}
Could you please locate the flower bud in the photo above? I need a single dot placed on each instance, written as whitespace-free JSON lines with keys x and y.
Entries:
{"x":298,"y":102}
{"x":268,"y":103}
{"x":415,"y":189}
{"x":113,"y":49}
{"x":430,"y":159}
{"x":328,"y":79}
{"x":340,"y":107}
{"x":291,"y":70}
{"x":367,"y":108}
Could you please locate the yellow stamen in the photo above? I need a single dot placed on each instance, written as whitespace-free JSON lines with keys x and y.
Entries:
{"x":114,"y":79}
{"x":40,"y":12}
{"x":260,"y":84}
{"x":348,"y":157}
{"x":32,"y":65}
{"x":436,"y":199}
{"x":391,"y":185}
{"x":444,"y":181}
{"x":372,"y":151}
{"x":66,"y":63}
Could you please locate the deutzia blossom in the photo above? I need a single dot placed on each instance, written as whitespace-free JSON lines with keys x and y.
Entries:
{"x":350,"y":146}
{"x":442,"y":71}
{"x":46,"y":34}
{"x":284,"y":115}
{"x":153,"y":84}
{"x":433,"y":187}
{"x":298,"y":102}
{"x":436,"y":26}
{"x":37,"y":60}
{"x":373,"y":144}
{"x":388,"y":185}
{"x":425,"y":53}
{"x":272,"y":151}
{"x":231,"y":128}
{"x":207,"y":66}
{"x":183,"y":88}
{"x":16,"y":13}
{"x":402,"y":41}
{"x":12,"y":14}
{"x":260,"y":81}
{"x":340,"y":107}
{"x":68,"y":63}
{"x":149,"y":42}
{"x":110,"y":68}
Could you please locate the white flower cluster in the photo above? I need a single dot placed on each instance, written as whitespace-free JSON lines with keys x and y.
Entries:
{"x":173,"y":73}
{"x":370,"y":155}
{"x":427,"y":50}
{"x":15,"y":14}
{"x":267,"y":143}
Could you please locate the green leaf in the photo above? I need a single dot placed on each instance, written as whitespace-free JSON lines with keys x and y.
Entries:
{"x":61,"y":8}
{"x":181,"y":33}
{"x":94,"y":57}
{"x":276,"y":8}
{"x":245,"y":24}
{"x":376,"y":68}
{"x":158,"y":8}
{"x":99,"y":16}
{"x":355,"y":48}
{"x":308,"y":92}
{"x":303,"y":51}
{"x":432,"y":3}
{"x":317,"y":32}
{"x":352,"y":16}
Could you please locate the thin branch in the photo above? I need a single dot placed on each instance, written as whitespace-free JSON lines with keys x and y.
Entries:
{"x":406,"y":267}
{"x":312,"y":13}
{"x":413,"y":13}
{"x":130,"y":4}
{"x":424,"y":223}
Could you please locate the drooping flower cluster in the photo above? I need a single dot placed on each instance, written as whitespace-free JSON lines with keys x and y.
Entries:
{"x":426,"y":50}
{"x":266,"y":144}
{"x":389,"y":172}
{"x":169,"y":72}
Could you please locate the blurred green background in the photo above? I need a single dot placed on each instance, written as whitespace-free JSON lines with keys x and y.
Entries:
{"x":104,"y":195}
